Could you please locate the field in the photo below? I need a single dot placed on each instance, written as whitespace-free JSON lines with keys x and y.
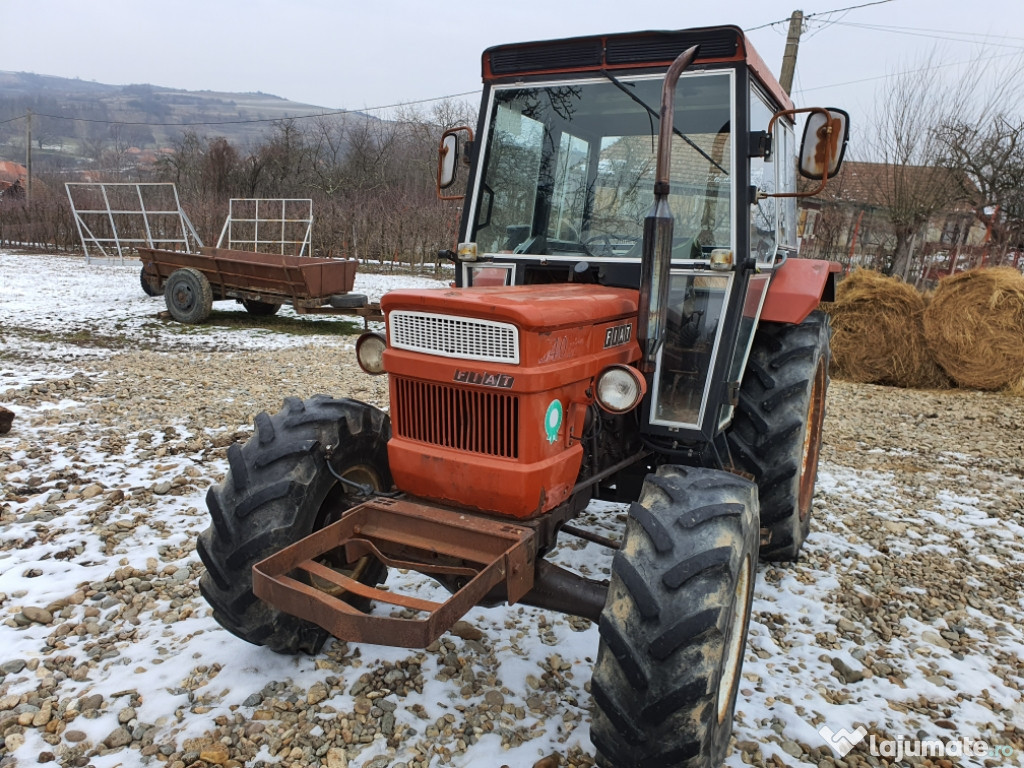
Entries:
{"x":905,"y":616}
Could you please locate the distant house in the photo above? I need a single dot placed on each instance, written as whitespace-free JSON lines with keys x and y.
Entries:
{"x":10,"y":173}
{"x":851,"y":221}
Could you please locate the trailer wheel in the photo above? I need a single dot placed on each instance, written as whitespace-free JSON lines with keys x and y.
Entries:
{"x":150,"y":282}
{"x":188,"y":295}
{"x":776,"y":431}
{"x":279,"y":489}
{"x":347,"y":300}
{"x":675,"y":624}
{"x":260,"y":308}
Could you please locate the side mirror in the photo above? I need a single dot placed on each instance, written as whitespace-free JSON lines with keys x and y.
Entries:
{"x":823,"y":145}
{"x":448,"y":160}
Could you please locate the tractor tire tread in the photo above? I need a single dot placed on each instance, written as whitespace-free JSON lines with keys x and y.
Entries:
{"x":670,"y":609}
{"x":272,"y":496}
{"x":767,"y":436}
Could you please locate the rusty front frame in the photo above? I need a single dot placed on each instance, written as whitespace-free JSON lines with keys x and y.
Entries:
{"x":481,"y":553}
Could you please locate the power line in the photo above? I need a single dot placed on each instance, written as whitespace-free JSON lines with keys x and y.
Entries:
{"x":957,"y":37}
{"x":332,"y":113}
{"x":819,"y":13}
{"x":893,"y":28}
{"x":906,"y":72}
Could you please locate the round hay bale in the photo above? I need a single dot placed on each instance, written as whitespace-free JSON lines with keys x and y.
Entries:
{"x":974,"y":327}
{"x":877,"y":333}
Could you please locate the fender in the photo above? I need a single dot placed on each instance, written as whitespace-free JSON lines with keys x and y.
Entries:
{"x":796,"y":289}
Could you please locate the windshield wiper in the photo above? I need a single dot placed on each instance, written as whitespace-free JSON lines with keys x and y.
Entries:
{"x":654,"y":113}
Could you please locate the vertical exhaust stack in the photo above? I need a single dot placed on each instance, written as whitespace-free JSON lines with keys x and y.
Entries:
{"x":658,"y":227}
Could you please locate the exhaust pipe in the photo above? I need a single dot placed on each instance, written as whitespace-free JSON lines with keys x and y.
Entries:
{"x":656,"y":257}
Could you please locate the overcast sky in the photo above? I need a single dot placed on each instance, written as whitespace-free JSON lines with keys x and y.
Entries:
{"x":360,"y":55}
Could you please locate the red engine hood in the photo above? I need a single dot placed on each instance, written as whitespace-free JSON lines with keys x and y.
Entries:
{"x":531,"y":307}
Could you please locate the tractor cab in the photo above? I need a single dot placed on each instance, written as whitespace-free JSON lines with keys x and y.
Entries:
{"x":565,"y":175}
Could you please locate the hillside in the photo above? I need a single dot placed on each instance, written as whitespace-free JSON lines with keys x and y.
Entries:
{"x":75,"y":119}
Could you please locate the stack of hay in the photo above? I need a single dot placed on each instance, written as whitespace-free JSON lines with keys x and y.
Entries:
{"x":974,"y":326}
{"x":878,"y":333}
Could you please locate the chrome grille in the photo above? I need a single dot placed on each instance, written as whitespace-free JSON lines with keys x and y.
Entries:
{"x":464,"y":419}
{"x":465,"y":338}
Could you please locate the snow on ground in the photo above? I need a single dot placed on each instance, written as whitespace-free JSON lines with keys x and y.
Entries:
{"x":104,"y":299}
{"x":905,"y":616}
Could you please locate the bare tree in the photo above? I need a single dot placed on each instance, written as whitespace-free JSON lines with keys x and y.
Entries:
{"x":906,"y":138}
{"x":990,"y":159}
{"x":220,"y":168}
{"x":911,"y":185}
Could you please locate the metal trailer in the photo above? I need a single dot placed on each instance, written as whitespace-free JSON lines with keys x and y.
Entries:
{"x":262,"y":258}
{"x":261,"y":282}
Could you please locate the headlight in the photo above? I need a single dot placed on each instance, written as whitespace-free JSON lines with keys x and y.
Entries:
{"x":370,"y":352}
{"x":467,"y":252}
{"x":620,"y":389}
{"x":721,"y":259}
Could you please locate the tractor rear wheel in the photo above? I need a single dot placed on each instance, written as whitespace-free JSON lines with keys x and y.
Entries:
{"x":675,"y":624}
{"x":777,"y":427}
{"x":279,"y":489}
{"x":188,"y":295}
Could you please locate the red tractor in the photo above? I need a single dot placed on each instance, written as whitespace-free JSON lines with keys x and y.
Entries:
{"x":628,"y":322}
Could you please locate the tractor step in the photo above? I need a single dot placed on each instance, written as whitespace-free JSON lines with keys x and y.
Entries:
{"x":480,"y":553}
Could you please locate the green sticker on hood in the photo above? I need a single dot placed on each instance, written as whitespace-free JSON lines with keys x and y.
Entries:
{"x":553,"y":420}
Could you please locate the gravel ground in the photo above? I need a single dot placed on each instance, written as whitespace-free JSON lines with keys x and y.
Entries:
{"x":905,"y":616}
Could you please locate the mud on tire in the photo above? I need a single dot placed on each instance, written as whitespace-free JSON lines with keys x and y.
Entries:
{"x":675,"y":624}
{"x":279,"y":489}
{"x":776,"y":430}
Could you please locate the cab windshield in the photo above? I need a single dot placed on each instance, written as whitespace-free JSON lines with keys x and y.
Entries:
{"x":569,"y":168}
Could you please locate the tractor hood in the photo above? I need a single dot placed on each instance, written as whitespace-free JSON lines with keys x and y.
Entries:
{"x":530,"y":307}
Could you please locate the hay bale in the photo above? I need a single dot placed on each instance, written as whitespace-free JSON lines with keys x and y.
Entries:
{"x":974,"y":327}
{"x":878,"y":334}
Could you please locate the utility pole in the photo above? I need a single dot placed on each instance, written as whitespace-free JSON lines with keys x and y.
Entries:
{"x":796,"y":26}
{"x":28,"y":158}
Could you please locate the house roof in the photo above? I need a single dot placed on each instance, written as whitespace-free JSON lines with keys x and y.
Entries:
{"x":11,"y":171}
{"x":873,"y":184}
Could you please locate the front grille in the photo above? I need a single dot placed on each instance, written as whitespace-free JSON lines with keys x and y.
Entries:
{"x":465,"y":338}
{"x":462,"y":419}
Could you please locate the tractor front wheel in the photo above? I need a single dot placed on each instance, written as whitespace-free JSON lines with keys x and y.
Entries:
{"x":776,"y":431}
{"x":675,"y":624}
{"x":282,"y":485}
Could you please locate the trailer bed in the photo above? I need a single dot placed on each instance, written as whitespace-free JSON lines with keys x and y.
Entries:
{"x":309,"y":284}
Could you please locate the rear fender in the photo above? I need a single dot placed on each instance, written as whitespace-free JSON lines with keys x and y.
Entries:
{"x":796,"y":289}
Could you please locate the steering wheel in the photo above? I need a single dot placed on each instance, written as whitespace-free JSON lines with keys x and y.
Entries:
{"x":602,"y":245}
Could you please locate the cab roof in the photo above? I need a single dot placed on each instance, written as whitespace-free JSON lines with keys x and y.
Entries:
{"x":625,"y":51}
